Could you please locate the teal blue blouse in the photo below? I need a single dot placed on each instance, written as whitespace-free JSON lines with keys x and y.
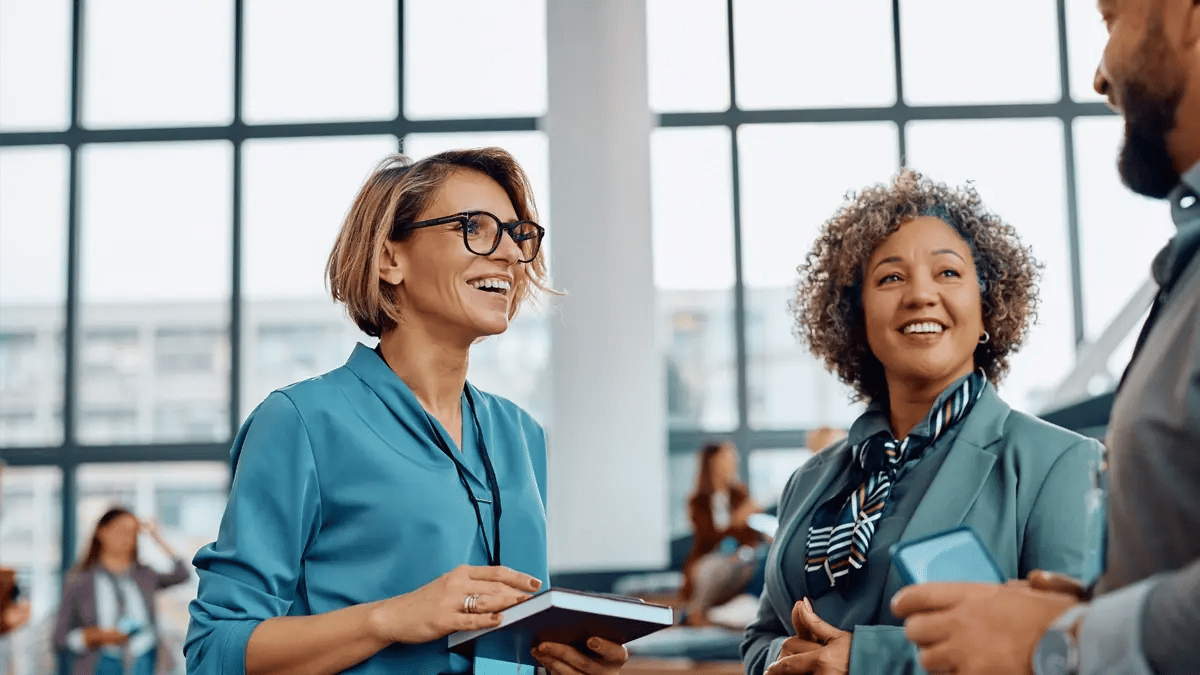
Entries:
{"x":341,"y":496}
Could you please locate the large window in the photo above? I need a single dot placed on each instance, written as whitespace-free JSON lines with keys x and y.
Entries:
{"x":172,"y":176}
{"x":771,"y":112}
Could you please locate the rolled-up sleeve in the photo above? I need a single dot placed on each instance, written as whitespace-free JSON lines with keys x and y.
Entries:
{"x":251,"y":572}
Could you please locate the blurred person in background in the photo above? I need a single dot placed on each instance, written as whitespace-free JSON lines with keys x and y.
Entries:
{"x":823,"y":437}
{"x":722,"y":561}
{"x":1143,"y":614}
{"x":107,"y":616}
{"x":14,"y":613}
{"x":915,"y":296}
{"x":364,"y":523}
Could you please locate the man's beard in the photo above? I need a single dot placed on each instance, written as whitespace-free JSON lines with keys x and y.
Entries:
{"x":1149,"y":100}
{"x":1145,"y":163}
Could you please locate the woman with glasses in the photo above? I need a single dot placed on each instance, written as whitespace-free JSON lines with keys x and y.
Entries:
{"x":388,"y":503}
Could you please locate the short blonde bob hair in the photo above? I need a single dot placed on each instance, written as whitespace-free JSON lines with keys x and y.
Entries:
{"x":397,"y":191}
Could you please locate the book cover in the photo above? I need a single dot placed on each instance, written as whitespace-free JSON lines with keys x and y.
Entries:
{"x":564,"y":616}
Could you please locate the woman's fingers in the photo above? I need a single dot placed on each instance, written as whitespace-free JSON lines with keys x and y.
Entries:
{"x":610,"y":652}
{"x":504,"y":575}
{"x":797,"y":645}
{"x":565,"y":660}
{"x":476,"y":621}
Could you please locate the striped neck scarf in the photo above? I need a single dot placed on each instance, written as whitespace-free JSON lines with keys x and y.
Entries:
{"x":842,"y":527}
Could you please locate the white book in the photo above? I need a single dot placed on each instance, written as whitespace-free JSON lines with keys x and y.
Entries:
{"x":564,"y":616}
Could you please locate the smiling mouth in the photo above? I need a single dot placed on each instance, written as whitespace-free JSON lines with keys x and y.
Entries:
{"x":922,"y":328}
{"x":499,"y":287}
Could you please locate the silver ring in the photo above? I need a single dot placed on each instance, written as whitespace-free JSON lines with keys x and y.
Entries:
{"x":471,"y":603}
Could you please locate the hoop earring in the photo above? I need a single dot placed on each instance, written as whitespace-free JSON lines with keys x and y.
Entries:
{"x":983,"y":339}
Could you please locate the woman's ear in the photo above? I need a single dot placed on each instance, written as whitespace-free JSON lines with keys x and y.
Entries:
{"x":391,"y":263}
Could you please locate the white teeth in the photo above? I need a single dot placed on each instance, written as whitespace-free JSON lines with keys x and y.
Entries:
{"x":498,"y":284}
{"x":926,"y":327}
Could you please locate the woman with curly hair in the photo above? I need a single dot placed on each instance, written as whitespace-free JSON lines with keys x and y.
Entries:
{"x":914,"y":295}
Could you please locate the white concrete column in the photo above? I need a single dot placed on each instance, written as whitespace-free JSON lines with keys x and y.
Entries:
{"x":607,"y":467}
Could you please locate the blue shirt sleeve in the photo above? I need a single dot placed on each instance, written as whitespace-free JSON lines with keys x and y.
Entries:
{"x":252,"y":571}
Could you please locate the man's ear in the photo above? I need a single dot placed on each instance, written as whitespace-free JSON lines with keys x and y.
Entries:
{"x":391,"y":263}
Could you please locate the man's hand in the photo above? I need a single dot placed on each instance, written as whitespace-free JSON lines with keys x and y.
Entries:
{"x":817,"y":648}
{"x":1041,"y":580}
{"x":977,"y":629}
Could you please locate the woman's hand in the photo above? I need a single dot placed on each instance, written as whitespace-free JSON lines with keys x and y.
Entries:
{"x":150,"y":527}
{"x":563,"y":660}
{"x":440,"y":607}
{"x":95,"y":636}
{"x":16,"y":615}
{"x":818,"y":648}
{"x":742,"y":513}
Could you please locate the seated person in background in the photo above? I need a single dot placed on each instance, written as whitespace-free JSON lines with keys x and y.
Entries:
{"x":107,"y":615}
{"x":915,"y":296}
{"x":722,"y":559}
{"x":822,"y":437}
{"x":388,"y":503}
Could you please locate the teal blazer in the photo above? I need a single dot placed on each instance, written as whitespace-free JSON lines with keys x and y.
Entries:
{"x":341,"y":496}
{"x":1019,"y":482}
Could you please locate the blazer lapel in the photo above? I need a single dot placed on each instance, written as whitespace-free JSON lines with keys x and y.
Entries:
{"x":830,"y":463}
{"x":960,"y":479}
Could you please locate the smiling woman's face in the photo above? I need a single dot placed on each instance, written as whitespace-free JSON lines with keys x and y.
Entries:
{"x":921,"y":304}
{"x":447,"y":289}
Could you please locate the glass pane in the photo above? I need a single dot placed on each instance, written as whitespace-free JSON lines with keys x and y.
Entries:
{"x":784,"y":203}
{"x":33,"y":248}
{"x":311,"y":60}
{"x":1115,"y":261}
{"x":1086,"y":38}
{"x":770,"y":469}
{"x":185,"y":498}
{"x":31,"y":543}
{"x":979,"y":52}
{"x":682,"y":480}
{"x":35,"y":65}
{"x":1017,"y":167}
{"x":149,"y":63}
{"x":154,"y":347}
{"x":513,"y":365}
{"x":687,"y":49}
{"x":296,"y":193}
{"x":691,"y":191}
{"x":474,"y":58}
{"x":814,"y":54}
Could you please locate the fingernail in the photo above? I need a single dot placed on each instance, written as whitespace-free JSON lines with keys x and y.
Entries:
{"x":807,"y":604}
{"x":535,"y":584}
{"x":594,"y":643}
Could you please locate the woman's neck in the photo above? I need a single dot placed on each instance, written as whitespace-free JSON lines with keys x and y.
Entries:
{"x":909,"y":401}
{"x":115,"y":562}
{"x":907,"y":406}
{"x":435,"y":372}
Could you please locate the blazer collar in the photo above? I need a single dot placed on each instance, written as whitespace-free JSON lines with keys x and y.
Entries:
{"x":947,"y":501}
{"x":959,"y":480}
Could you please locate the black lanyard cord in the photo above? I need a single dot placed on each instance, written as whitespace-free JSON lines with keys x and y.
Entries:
{"x":493,"y":553}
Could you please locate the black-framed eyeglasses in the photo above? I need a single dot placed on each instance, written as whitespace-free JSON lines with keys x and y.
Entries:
{"x":482,"y":231}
